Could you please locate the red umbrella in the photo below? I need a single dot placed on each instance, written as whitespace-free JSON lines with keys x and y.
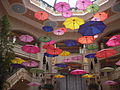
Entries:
{"x":86,"y":40}
{"x":105,"y":53}
{"x":41,"y":15}
{"x":54,"y":51}
{"x":78,"y":72}
{"x":48,"y":46}
{"x":30,"y":49}
{"x":63,"y":29}
{"x":26,"y":38}
{"x":50,"y":42}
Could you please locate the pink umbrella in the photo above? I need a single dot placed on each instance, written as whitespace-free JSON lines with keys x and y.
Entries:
{"x":77,"y":57}
{"x":78,"y":72}
{"x":118,"y":63}
{"x":30,"y":49}
{"x":33,"y":84}
{"x":50,"y":42}
{"x":62,"y":7}
{"x":114,"y":41}
{"x":58,"y":32}
{"x":109,"y":82}
{"x":30,"y":64}
{"x":63,"y":29}
{"x":67,"y":60}
{"x":83,"y":4}
{"x":26,"y":38}
{"x":67,"y":14}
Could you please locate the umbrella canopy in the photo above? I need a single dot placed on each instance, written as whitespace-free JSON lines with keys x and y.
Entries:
{"x":91,"y":28}
{"x":26,"y":38}
{"x":92,"y":47}
{"x":59,"y":76}
{"x":50,"y":42}
{"x":65,"y":53}
{"x":33,"y":84}
{"x":17,"y":61}
{"x":63,"y":29}
{"x":17,"y":66}
{"x":62,"y":7}
{"x":67,"y":60}
{"x":114,"y":41}
{"x":58,"y":32}
{"x":118,"y":63}
{"x":30,"y":49}
{"x":50,"y":23}
{"x":36,"y":70}
{"x":107,"y":69}
{"x":70,"y":43}
{"x":62,"y":65}
{"x":67,"y":14}
{"x":92,"y":8}
{"x":101,"y":15}
{"x":105,"y":53}
{"x":109,"y":82}
{"x":58,"y":68}
{"x":87,"y":76}
{"x":95,"y":19}
{"x":49,"y":55}
{"x":86,"y":40}
{"x":41,"y":15}
{"x":47,"y":28}
{"x":80,"y":57}
{"x":48,"y":46}
{"x":45,"y":39}
{"x":90,"y":55}
{"x":54,"y":51}
{"x":83,"y":4}
{"x":73,"y":22}
{"x":78,"y":72}
{"x":30,"y":64}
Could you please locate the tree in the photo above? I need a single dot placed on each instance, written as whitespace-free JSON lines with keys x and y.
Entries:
{"x":6,"y":52}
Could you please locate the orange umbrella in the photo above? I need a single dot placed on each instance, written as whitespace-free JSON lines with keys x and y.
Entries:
{"x":101,"y":15}
{"x":86,"y":39}
{"x":41,"y":15}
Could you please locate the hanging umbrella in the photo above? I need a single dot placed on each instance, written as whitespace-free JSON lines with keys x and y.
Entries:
{"x":78,"y":72}
{"x":30,"y":64}
{"x":49,"y":55}
{"x":54,"y":51}
{"x":47,"y":28}
{"x":86,"y":40}
{"x":44,"y":59}
{"x":45,"y":39}
{"x":70,"y":43}
{"x":109,"y":82}
{"x":62,"y":7}
{"x":59,"y":76}
{"x":91,"y":28}
{"x":92,"y":8}
{"x":67,"y":60}
{"x":58,"y":32}
{"x":104,"y":53}
{"x":48,"y":46}
{"x":92,"y":47}
{"x":17,"y":61}
{"x":77,"y":57}
{"x":36,"y":70}
{"x":26,"y":38}
{"x":17,"y":66}
{"x":63,"y":29}
{"x":90,"y":55}
{"x":30,"y":49}
{"x":58,"y":68}
{"x":50,"y":42}
{"x":41,"y":15}
{"x":62,"y":65}
{"x":73,"y":22}
{"x":83,"y":4}
{"x":87,"y":76}
{"x":107,"y":69}
{"x":67,"y":14}
{"x":118,"y":63}
{"x":33,"y":84}
{"x":102,"y":15}
{"x":65,"y":53}
{"x":53,"y":24}
{"x":114,"y":41}
{"x":95,"y":19}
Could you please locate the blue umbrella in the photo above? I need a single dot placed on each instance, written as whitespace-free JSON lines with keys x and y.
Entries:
{"x":90,"y":55}
{"x":47,"y":28}
{"x":62,"y":65}
{"x":70,"y":43}
{"x":91,"y":28}
{"x":49,"y":55}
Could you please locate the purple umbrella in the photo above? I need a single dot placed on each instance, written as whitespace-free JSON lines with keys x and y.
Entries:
{"x":62,"y":7}
{"x":95,"y":19}
{"x":30,"y":64}
{"x":33,"y":84}
{"x":58,"y":32}
{"x":77,"y":57}
{"x":26,"y":38}
{"x":67,"y":60}
{"x":118,"y":63}
{"x":62,"y":65}
{"x":90,"y":55}
{"x":109,"y":82}
{"x":67,"y":14}
{"x":17,"y":66}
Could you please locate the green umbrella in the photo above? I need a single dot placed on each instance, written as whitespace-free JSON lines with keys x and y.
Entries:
{"x":92,"y":47}
{"x":45,"y":39}
{"x":92,"y":8}
{"x":58,"y":68}
{"x":107,"y":69}
{"x":36,"y":70}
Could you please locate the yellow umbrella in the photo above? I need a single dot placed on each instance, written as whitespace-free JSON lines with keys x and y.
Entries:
{"x":17,"y":61}
{"x":87,"y":76}
{"x":65,"y":53}
{"x":73,"y":22}
{"x":59,"y":76}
